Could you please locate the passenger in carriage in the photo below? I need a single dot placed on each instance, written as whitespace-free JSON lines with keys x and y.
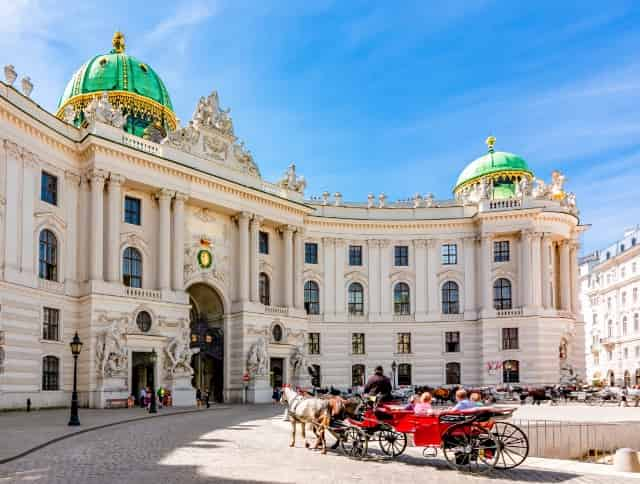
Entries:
{"x":423,"y":406}
{"x":476,"y":399}
{"x":463,"y":401}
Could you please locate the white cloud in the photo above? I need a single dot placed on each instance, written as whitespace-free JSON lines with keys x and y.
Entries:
{"x":186,"y":14}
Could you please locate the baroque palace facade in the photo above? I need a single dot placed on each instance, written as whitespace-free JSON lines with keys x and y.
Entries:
{"x":610,"y":301}
{"x":146,"y":238}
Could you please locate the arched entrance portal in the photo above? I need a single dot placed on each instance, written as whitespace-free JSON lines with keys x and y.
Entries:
{"x":207,"y":334}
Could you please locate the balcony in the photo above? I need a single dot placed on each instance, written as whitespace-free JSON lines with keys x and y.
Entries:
{"x":277,"y":310}
{"x":404,"y":317}
{"x":509,"y":313}
{"x":142,"y":293}
{"x":140,"y":144}
{"x":452,"y":317}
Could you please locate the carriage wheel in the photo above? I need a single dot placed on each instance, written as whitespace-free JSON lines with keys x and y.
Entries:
{"x":513,"y":445}
{"x":392,"y":443}
{"x":354,"y":443}
{"x":470,"y":448}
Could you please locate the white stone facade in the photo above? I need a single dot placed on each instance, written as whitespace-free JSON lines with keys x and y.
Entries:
{"x":201,"y":191}
{"x":609,"y":292}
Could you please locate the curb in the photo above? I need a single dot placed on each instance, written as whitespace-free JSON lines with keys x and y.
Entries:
{"x":103,"y":426}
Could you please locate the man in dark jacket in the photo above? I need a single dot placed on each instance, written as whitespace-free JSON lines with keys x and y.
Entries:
{"x":378,"y":384}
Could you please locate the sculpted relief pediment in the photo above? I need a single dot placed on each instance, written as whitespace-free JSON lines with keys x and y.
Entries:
{"x":210,"y":135}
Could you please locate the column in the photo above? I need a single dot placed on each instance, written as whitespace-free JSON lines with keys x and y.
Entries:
{"x":12,"y":207}
{"x":287,"y":232}
{"x":178,"y":241}
{"x":485,"y":274}
{"x":546,"y":291}
{"x":525,"y":267}
{"x":536,"y":269}
{"x":243,"y":256}
{"x":565,"y":276}
{"x":164,"y":197}
{"x":469,"y":276}
{"x":29,"y":177}
{"x":298,"y":268}
{"x":329,"y":264}
{"x":339,"y":289}
{"x":574,"y":278}
{"x":385,"y":286}
{"x":96,"y":241}
{"x":71,"y":193}
{"x":256,"y":222}
{"x":114,"y":190}
{"x":374,"y":278}
{"x":420,"y":296}
{"x":432,"y":278}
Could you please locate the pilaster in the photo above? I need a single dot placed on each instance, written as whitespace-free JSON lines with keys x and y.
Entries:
{"x":287,"y":233}
{"x":96,"y":238}
{"x":385,"y":283}
{"x":13,"y":207}
{"x":254,"y":262}
{"x":114,"y":189}
{"x":420,"y":296}
{"x":525,"y":267}
{"x":329,"y":265}
{"x":469,"y":244}
{"x":298,"y":288}
{"x":29,"y":196}
{"x":565,"y":276}
{"x":178,"y":240}
{"x":432,"y":271}
{"x":374,"y":279}
{"x":485,"y":282}
{"x":243,"y":267}
{"x":545,"y":272}
{"x":71,"y":193}
{"x":338,"y":287}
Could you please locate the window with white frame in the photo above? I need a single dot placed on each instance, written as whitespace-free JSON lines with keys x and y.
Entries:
{"x":50,"y":324}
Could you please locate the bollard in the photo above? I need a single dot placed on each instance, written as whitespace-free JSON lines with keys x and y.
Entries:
{"x":28,"y":404}
{"x":626,"y":460}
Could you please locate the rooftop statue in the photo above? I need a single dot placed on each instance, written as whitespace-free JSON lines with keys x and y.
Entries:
{"x":100,"y":109}
{"x":291,"y":181}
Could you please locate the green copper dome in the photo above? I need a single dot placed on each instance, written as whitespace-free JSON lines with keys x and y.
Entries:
{"x":498,"y":166}
{"x":131,"y":85}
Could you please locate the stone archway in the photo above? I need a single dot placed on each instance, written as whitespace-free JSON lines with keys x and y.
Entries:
{"x":207,"y":334}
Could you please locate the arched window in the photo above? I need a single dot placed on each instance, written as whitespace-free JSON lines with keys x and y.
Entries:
{"x":357,"y":375}
{"x":264,"y":289}
{"x":311,"y":297}
{"x":356,"y":298}
{"x":511,"y":371}
{"x":450,"y":298}
{"x":401,"y":299}
{"x":452,"y":371}
{"x":48,"y":258}
{"x":404,"y":374}
{"x":50,"y":373}
{"x":132,"y":267}
{"x":627,"y":378}
{"x":502,"y":294}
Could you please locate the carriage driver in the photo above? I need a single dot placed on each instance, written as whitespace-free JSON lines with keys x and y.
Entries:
{"x":379,"y":385}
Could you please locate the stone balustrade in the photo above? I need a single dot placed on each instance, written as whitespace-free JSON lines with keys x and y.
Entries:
{"x":142,"y":293}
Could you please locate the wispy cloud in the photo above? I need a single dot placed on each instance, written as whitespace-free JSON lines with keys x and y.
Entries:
{"x":187,"y":14}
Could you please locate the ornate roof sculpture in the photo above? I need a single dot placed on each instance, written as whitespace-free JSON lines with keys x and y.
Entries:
{"x":132,"y":87}
{"x":210,"y":135}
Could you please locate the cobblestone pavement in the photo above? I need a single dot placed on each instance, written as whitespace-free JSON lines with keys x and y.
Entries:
{"x":234,"y":445}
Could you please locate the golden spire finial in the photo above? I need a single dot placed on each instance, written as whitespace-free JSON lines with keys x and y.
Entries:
{"x":118,"y":42}
{"x":491,"y":141}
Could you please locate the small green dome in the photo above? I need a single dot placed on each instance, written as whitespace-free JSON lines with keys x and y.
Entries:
{"x":492,"y":162}
{"x":131,"y":84}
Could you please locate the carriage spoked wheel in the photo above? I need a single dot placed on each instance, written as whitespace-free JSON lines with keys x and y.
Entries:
{"x":470,"y":448}
{"x":392,"y":443}
{"x":354,"y":443}
{"x":513,"y":445}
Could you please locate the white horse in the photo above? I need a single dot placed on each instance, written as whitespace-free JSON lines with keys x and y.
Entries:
{"x":307,"y":410}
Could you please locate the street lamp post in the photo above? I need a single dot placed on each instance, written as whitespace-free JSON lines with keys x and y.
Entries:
{"x":394,"y":367}
{"x":76,"y":347}
{"x":154,"y":358}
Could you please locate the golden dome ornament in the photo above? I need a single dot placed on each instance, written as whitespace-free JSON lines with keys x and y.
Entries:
{"x":118,"y":42}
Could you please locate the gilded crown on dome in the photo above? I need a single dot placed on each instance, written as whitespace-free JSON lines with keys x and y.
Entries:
{"x":118,"y":42}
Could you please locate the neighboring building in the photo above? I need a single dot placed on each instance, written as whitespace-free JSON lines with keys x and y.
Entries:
{"x":141,"y":237}
{"x":609,"y":292}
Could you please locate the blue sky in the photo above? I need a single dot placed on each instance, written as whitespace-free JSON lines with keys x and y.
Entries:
{"x":377,"y":96}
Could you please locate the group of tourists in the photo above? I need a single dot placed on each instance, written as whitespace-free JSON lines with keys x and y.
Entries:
{"x":202,"y":398}
{"x":163,"y":397}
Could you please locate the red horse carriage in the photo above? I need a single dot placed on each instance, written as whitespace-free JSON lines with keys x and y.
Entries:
{"x":475,"y":440}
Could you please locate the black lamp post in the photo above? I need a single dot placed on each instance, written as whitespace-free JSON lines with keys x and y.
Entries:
{"x":154,"y":358}
{"x":76,"y":347}
{"x":394,"y":367}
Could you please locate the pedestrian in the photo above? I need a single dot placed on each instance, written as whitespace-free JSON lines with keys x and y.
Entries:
{"x":198,"y":397}
{"x":206,"y":398}
{"x":142,"y":397}
{"x":147,"y":398}
{"x":160,"y":393}
{"x":276,"y":395}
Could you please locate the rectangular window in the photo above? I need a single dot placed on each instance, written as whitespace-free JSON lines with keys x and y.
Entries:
{"x":49,"y":188}
{"x":51,"y":324}
{"x":404,"y":343}
{"x":310,"y":253}
{"x":50,"y":373}
{"x":510,"y":339}
{"x":132,"y":210}
{"x":449,"y":253}
{"x":314,"y":343}
{"x":401,"y":255}
{"x":404,"y":374}
{"x":316,"y":379}
{"x":501,"y":251}
{"x":355,"y":255}
{"x":452,"y":341}
{"x":357,"y":343}
{"x":263,"y":238}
